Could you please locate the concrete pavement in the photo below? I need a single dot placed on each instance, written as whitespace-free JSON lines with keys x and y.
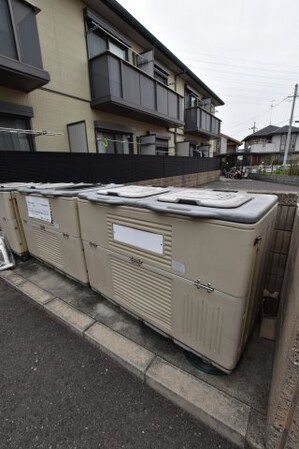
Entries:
{"x":58,"y":392}
{"x":233,"y":405}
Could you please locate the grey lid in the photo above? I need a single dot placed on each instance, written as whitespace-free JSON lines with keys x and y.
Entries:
{"x":133,"y":191}
{"x":207,"y":198}
{"x":69,"y":191}
{"x":250,"y":210}
{"x":57,"y":189}
{"x":119,"y":194}
{"x":11,"y":186}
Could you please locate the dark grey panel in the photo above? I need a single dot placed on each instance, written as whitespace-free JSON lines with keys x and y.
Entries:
{"x":15,"y":109}
{"x":99,"y":77}
{"x":162,"y":103}
{"x":147,"y":92}
{"x":115,"y":78}
{"x":172,"y":104}
{"x":20,"y":76}
{"x":131,"y":84}
{"x":191,"y":118}
{"x":145,"y":61}
{"x":181,"y":109}
{"x":113,"y":127}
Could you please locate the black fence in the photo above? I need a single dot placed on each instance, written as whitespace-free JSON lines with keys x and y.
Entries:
{"x":75,"y":167}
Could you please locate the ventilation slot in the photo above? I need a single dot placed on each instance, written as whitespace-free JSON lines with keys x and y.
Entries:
{"x":48,"y":247}
{"x":143,"y":292}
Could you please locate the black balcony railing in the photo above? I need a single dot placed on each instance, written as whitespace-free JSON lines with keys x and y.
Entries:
{"x":119,"y":87}
{"x":200,"y":121}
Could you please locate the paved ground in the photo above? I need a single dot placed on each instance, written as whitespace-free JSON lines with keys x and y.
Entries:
{"x":59,"y":392}
{"x":251,"y":184}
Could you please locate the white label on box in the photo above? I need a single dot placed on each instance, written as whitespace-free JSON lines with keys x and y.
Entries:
{"x":39,"y":208}
{"x":140,"y":239}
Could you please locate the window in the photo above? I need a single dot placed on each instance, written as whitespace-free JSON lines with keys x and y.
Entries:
{"x":14,"y":141}
{"x":160,"y":74}
{"x":112,"y":142}
{"x":20,"y":42}
{"x":161,"y":146}
{"x":98,"y":41}
{"x":191,"y":98}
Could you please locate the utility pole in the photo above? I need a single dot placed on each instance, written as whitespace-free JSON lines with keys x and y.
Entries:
{"x":271,"y":106}
{"x":254,"y":128}
{"x":287,"y":148}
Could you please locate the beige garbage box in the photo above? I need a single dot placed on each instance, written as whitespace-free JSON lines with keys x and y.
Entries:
{"x":189,"y":262}
{"x":51,"y":226}
{"x":10,"y":222}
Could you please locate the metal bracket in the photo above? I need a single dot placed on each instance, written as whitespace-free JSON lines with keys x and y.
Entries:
{"x":207,"y":286}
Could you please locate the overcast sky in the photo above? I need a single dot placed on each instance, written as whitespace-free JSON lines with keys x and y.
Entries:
{"x":246,"y":51}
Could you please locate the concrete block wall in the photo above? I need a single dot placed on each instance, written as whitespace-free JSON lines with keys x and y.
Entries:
{"x":281,"y":242}
{"x":189,"y":180}
{"x":283,"y":408}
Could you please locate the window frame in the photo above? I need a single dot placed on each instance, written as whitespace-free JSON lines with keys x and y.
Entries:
{"x":21,"y":112}
{"x":107,"y":36}
{"x":17,"y":38}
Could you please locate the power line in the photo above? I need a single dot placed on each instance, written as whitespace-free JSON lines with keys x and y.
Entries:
{"x":221,"y":56}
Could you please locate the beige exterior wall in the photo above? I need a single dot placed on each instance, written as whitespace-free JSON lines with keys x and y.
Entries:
{"x":65,"y":99}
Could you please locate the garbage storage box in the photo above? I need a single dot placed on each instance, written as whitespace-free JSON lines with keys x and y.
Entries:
{"x":10,"y":222}
{"x":51,"y":226}
{"x":189,"y":262}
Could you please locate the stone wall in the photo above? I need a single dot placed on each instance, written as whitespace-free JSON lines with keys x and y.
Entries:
{"x":281,"y":179}
{"x":283,"y":409}
{"x":191,"y":180}
{"x":287,"y":207}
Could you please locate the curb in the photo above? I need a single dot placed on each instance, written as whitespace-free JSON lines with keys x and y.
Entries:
{"x":235,"y":420}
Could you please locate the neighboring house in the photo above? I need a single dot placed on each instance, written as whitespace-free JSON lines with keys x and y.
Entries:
{"x":226,"y":149}
{"x":226,"y":145}
{"x":91,"y":71}
{"x":267,"y":146}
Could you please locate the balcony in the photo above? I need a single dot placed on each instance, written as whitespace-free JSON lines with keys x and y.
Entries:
{"x":19,"y":76}
{"x":262,"y":148}
{"x":200,"y":122}
{"x":121,"y":88}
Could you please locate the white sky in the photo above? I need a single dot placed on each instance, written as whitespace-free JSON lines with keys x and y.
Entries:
{"x":246,"y":51}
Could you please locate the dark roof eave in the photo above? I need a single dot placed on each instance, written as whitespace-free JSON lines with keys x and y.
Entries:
{"x":127,"y":17}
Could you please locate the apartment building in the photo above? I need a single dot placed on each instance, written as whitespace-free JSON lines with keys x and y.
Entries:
{"x":267,"y":146}
{"x":91,"y":74}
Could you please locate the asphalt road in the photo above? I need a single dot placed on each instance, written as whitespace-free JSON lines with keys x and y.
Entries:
{"x":59,"y":392}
